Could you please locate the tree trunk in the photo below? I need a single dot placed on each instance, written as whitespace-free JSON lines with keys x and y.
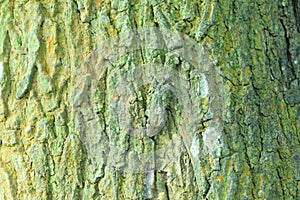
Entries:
{"x":150,"y":99}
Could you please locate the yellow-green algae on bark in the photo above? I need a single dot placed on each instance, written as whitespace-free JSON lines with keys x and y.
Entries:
{"x":64,"y":136}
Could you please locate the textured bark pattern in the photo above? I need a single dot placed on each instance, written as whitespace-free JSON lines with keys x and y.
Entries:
{"x":53,"y":93}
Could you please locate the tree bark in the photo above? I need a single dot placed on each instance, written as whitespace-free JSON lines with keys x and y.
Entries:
{"x":149,"y":99}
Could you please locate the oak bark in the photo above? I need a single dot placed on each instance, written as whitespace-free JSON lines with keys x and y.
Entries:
{"x":80,"y":120}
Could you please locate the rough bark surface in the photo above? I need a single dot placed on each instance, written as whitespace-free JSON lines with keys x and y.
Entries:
{"x":76,"y":123}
